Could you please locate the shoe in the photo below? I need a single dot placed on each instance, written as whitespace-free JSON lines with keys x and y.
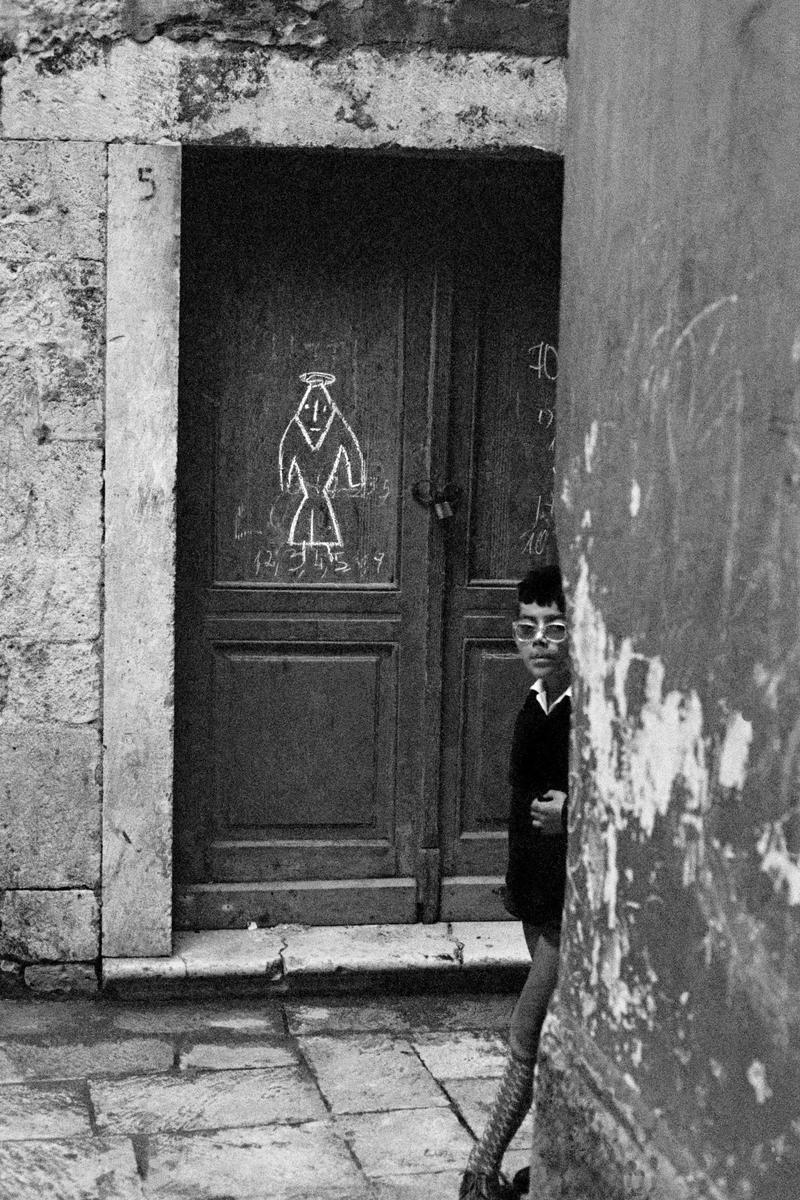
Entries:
{"x":485,"y":1187}
{"x":521,"y":1183}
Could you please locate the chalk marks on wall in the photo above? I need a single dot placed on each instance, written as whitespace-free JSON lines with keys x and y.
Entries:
{"x":317,"y":452}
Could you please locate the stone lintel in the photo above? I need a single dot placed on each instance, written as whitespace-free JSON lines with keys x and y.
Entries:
{"x":360,"y":99}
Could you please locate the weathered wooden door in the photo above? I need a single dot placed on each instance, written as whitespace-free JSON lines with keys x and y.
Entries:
{"x":352,"y":327}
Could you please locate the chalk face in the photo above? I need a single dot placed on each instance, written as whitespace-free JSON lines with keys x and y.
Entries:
{"x":315,"y":414}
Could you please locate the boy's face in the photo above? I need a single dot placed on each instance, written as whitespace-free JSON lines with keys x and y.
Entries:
{"x":543,"y":659}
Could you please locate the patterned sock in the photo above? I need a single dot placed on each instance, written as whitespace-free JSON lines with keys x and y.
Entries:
{"x":509,"y":1110}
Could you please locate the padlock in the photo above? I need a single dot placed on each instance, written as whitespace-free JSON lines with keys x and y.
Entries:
{"x":443,"y":509}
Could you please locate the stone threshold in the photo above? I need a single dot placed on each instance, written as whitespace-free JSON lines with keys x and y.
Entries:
{"x":301,"y":958}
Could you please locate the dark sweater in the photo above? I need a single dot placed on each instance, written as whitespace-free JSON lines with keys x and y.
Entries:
{"x":537,"y":863}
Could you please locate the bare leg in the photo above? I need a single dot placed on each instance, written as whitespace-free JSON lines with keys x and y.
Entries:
{"x":513,"y":1099}
{"x":531,"y":1008}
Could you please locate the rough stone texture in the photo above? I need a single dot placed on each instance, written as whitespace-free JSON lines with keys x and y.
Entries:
{"x":52,"y":202}
{"x":52,"y":310}
{"x":93,"y":1166}
{"x":29,"y":1111}
{"x":367,"y":1073}
{"x":50,"y":823}
{"x":226,"y":1056}
{"x":489,"y":943}
{"x":61,"y":926}
{"x":142,"y":411}
{"x":538,"y":26}
{"x":264,"y":1019}
{"x":406,"y":1142}
{"x":50,"y":482}
{"x":243,"y":1162}
{"x":460,"y":1054}
{"x":51,"y":329}
{"x":76,"y":1060}
{"x":363,"y":99}
{"x":230,"y":952}
{"x":69,"y":979}
{"x":405,"y":1014}
{"x":679,"y":523}
{"x":20,"y":1018}
{"x":212,"y":1100}
{"x":367,"y":948}
{"x":51,"y":682}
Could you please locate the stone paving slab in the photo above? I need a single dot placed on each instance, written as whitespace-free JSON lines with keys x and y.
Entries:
{"x":170,"y":1017}
{"x":282,"y":1163}
{"x":67,"y":1060}
{"x":442,"y":1185}
{"x":408,"y":1014}
{"x":474,"y":1098}
{"x":370,"y":1073}
{"x":461,"y":1053}
{"x":22,"y":1017}
{"x":79,"y":1169}
{"x":237,"y":1056}
{"x":407,"y":1141}
{"x":208,"y":1100}
{"x":31,"y":1111}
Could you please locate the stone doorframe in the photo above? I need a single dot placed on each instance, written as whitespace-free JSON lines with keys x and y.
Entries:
{"x":421,"y":101}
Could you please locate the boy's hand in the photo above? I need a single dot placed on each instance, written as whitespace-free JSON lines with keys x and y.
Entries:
{"x":546,"y":813}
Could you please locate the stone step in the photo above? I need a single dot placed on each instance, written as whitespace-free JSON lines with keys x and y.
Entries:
{"x":328,"y":959}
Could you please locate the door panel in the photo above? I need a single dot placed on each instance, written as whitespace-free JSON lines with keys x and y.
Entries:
{"x":322,"y":775}
{"x":345,"y":681}
{"x":306,"y":394}
{"x":501,"y":453}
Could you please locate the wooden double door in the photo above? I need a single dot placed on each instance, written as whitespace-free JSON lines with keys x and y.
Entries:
{"x":357,"y":334}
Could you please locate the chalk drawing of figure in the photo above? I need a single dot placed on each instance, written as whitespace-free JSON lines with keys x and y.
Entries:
{"x":318,"y":453}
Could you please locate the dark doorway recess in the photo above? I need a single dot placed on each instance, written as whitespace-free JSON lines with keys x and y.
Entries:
{"x":356,"y":332}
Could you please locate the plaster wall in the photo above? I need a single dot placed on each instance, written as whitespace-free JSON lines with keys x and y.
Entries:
{"x":88,"y":412}
{"x":678,"y":455}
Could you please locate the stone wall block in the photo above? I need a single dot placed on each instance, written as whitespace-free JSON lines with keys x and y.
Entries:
{"x":50,"y":538}
{"x":73,"y":979}
{"x":50,"y":682}
{"x":49,"y":596}
{"x":38,"y":926}
{"x":52,"y":200}
{"x":49,"y":807}
{"x":52,"y":330}
{"x":186,"y":92}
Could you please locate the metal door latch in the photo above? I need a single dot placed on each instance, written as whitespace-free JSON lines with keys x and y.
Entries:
{"x":443,"y":500}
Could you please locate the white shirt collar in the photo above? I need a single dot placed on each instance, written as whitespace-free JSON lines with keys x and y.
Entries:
{"x":541,"y":695}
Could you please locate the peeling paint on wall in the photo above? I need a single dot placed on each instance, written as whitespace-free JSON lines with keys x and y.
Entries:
{"x":639,"y":766}
{"x":735,"y":749}
{"x":779,"y":863}
{"x":757,"y":1078}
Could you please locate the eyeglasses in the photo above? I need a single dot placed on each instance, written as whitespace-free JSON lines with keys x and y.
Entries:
{"x":529,"y":630}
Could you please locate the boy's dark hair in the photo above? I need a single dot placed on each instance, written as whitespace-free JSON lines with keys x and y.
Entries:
{"x":542,"y":585}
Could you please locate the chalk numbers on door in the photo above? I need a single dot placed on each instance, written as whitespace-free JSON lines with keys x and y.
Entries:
{"x":543,"y":359}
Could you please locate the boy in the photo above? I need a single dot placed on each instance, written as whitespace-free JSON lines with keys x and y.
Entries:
{"x":537,"y":855}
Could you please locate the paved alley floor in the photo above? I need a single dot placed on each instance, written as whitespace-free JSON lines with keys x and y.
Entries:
{"x":330,"y":1098}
